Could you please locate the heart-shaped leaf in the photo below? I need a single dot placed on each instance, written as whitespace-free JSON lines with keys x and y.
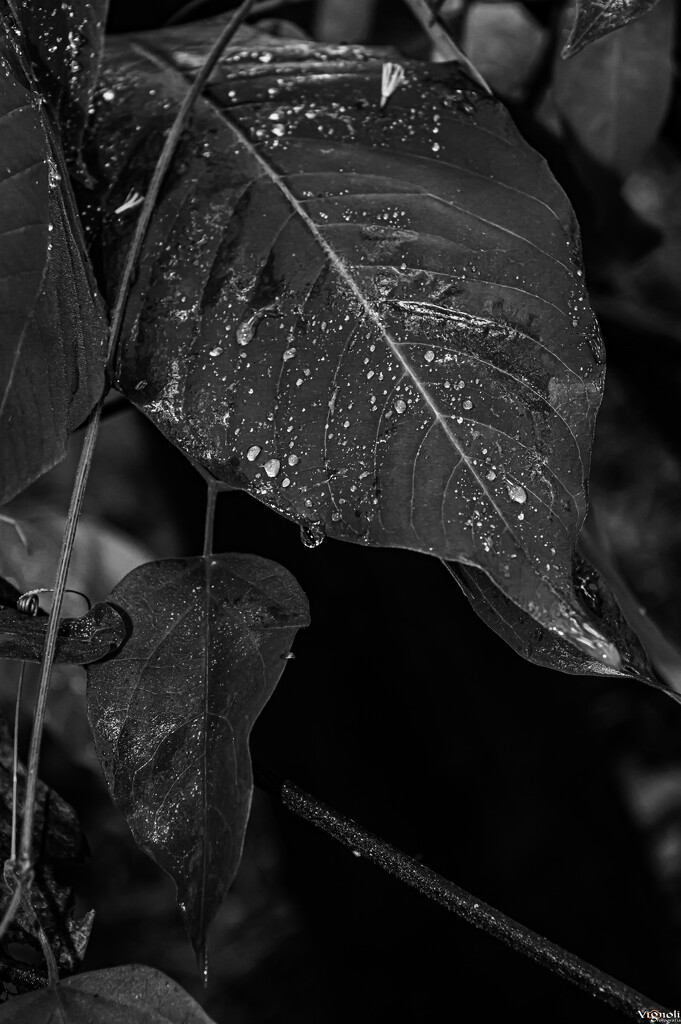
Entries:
{"x":59,"y":853}
{"x":612,"y":99}
{"x":117,"y":995}
{"x":64,"y":41}
{"x":94,"y":635}
{"x":595,"y":19}
{"x":172,"y":713}
{"x":365,"y":309}
{"x":53,"y":323}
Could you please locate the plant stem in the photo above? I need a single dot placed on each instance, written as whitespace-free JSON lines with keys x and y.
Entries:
{"x":212,"y":491}
{"x":448,"y":895}
{"x":434,"y":27}
{"x":25,"y":858}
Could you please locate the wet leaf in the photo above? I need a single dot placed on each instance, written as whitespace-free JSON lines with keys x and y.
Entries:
{"x":98,"y":633}
{"x":52,"y":314}
{"x":60,"y":855}
{"x":613,"y":97}
{"x":371,"y":317}
{"x":595,"y":19}
{"x":172,"y":713}
{"x":116,"y":995}
{"x":64,"y":41}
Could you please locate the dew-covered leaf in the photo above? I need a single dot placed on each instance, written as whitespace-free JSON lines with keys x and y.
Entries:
{"x":597,"y":18}
{"x":612,"y":98}
{"x":117,"y":995}
{"x":601,"y":613}
{"x":172,"y":712}
{"x":370,"y":316}
{"x":60,"y":854}
{"x":53,"y":326}
{"x":64,"y":42}
{"x":92,"y":636}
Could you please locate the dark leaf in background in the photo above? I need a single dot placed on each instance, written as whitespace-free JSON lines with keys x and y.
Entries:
{"x":65,"y":42}
{"x":53,"y":326}
{"x":117,"y":995}
{"x":172,"y":713}
{"x":506,"y":44}
{"x":596,"y":18}
{"x":60,"y":855}
{"x":371,"y":318}
{"x":98,"y":633}
{"x":613,"y":97}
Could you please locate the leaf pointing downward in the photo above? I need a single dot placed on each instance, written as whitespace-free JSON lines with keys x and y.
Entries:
{"x":172,"y":713}
{"x":370,"y":318}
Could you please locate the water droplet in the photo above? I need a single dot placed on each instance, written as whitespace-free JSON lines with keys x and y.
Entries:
{"x":272,"y":467}
{"x":491,"y":475}
{"x":253,"y":453}
{"x":400,"y":405}
{"x":288,"y":354}
{"x":285,"y":482}
{"x":217,"y":351}
{"x":468,"y":404}
{"x":293,"y":460}
{"x":429,"y":356}
{"x":516,"y":492}
{"x":288,"y":657}
{"x":108,"y":95}
{"x":311,"y":534}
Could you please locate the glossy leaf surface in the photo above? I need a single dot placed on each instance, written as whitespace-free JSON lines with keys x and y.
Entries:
{"x":94,"y":635}
{"x":117,"y":995}
{"x":613,"y":97}
{"x":370,"y":317}
{"x":60,"y":855}
{"x":53,"y":327}
{"x":65,"y":42}
{"x":596,"y":18}
{"x":172,"y":713}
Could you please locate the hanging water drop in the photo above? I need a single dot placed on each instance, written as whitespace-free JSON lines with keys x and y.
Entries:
{"x":312,"y":534}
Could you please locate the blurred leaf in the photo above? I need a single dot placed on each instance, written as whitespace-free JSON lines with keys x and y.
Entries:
{"x":65,"y":42}
{"x":94,"y":635}
{"x":52,"y":315}
{"x":117,"y":995}
{"x":371,"y":318}
{"x":172,"y":713}
{"x":613,"y":97}
{"x":595,"y":19}
{"x":506,"y":44}
{"x":60,"y":855}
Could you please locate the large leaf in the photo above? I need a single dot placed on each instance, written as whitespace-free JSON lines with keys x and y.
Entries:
{"x":98,"y":633}
{"x":117,"y":995}
{"x":612,"y":98}
{"x":172,"y":713}
{"x":597,"y":18}
{"x":53,"y":327}
{"x":371,"y":318}
{"x":65,"y":41}
{"x":60,"y":854}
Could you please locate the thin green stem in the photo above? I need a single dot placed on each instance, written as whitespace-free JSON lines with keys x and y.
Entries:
{"x":434,"y":27}
{"x":15,"y":763}
{"x":212,"y":492}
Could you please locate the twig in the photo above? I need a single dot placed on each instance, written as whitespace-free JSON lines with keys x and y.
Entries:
{"x":448,"y":895}
{"x":442,"y":40}
{"x":25,"y":858}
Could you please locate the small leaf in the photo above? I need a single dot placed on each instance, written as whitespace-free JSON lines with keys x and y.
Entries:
{"x":371,"y":318}
{"x":60,"y":854}
{"x":596,"y":18}
{"x":613,"y":97}
{"x":116,"y":995}
{"x":172,"y":713}
{"x":65,"y":42}
{"x":98,"y":633}
{"x":53,"y":334}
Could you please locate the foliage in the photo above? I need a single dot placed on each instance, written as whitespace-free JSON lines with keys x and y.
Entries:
{"x":361,"y":299}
